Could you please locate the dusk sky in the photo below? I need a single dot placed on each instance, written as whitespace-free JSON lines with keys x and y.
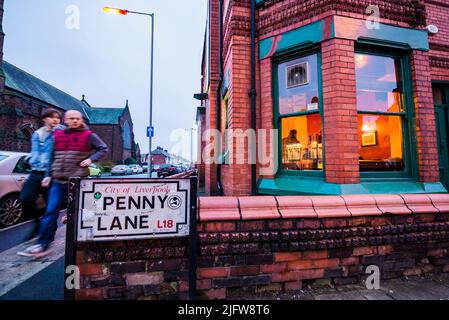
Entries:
{"x":108,"y":57}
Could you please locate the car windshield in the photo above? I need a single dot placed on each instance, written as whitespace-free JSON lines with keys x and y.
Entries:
{"x":3,"y":157}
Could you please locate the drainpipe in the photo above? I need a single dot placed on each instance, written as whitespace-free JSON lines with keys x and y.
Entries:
{"x":253,"y":92}
{"x":220,"y":82}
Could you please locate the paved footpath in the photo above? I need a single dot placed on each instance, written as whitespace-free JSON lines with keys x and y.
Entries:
{"x":430,"y":287}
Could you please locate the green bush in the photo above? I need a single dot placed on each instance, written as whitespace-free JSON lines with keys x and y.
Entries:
{"x":130,"y":160}
{"x":106,"y":166}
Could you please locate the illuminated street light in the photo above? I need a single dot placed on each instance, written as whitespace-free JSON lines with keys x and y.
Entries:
{"x":115,"y":11}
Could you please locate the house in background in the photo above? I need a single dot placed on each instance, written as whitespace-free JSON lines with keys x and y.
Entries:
{"x":160,"y":156}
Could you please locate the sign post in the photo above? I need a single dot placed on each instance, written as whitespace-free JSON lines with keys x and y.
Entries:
{"x":131,"y":209}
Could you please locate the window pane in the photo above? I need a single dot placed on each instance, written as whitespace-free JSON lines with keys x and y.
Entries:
{"x":302,"y":147}
{"x":380,"y":143}
{"x":439,"y":96}
{"x":298,"y":85}
{"x":379,"y":86}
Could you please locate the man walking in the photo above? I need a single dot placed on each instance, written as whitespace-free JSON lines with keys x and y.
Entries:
{"x":76,"y":148}
{"x":40,"y":161}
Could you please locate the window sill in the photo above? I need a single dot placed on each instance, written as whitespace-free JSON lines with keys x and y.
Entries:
{"x":283,"y":185}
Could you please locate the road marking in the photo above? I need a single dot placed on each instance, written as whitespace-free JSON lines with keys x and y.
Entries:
{"x":15,"y":269}
{"x":17,"y":225}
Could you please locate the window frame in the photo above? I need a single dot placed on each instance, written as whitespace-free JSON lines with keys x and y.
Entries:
{"x":408,"y":131}
{"x":277,"y":117}
{"x":224,"y":136}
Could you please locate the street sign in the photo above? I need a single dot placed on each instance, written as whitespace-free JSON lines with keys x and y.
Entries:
{"x":150,"y":131}
{"x":112,"y":209}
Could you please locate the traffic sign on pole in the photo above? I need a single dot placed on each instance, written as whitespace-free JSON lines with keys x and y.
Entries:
{"x":150,"y":131}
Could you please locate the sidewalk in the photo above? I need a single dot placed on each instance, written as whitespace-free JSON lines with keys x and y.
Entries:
{"x":429,"y":287}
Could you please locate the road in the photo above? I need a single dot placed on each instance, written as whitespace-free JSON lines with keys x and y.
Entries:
{"x":23,"y":278}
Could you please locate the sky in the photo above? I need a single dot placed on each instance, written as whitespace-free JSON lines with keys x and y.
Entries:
{"x":76,"y":47}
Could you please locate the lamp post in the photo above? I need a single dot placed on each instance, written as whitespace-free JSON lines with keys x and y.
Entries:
{"x":124,"y":12}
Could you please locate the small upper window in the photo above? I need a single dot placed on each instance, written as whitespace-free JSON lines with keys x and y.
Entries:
{"x":298,"y":85}
{"x":297,"y":75}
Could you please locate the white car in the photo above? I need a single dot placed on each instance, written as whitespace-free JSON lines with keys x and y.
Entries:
{"x":136,"y":168}
{"x":14,"y":170}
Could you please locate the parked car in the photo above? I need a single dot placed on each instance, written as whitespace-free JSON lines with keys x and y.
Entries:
{"x":179,"y":169}
{"x":14,"y":170}
{"x":136,"y":169}
{"x":145,"y":167}
{"x":94,"y":171}
{"x":121,"y":170}
{"x":166,"y":170}
{"x":155,"y":167}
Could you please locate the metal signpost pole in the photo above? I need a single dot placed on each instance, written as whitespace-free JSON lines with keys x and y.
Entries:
{"x":71,"y":237}
{"x":193,"y":239}
{"x":151,"y":97}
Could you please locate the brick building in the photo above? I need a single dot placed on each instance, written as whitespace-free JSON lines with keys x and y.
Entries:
{"x":160,"y":156}
{"x":115,"y":127}
{"x":23,"y":97}
{"x":359,"y":100}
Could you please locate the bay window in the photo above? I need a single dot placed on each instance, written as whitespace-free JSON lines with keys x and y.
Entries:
{"x":299,"y":115}
{"x":381,"y":113}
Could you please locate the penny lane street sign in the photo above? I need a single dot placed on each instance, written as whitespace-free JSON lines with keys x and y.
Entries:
{"x":133,"y":209}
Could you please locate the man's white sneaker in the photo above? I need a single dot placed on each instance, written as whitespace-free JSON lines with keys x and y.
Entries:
{"x":32,"y":251}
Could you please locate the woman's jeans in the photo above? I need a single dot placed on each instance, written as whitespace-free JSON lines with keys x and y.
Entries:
{"x":49,"y":222}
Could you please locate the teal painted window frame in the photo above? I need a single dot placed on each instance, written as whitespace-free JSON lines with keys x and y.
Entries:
{"x":295,"y":53}
{"x":408,"y":119}
{"x":225,"y":152}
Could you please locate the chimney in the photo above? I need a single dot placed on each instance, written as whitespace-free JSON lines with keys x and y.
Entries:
{"x":2,"y":38}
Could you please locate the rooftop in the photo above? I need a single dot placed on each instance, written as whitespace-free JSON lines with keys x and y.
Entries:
{"x":23,"y":82}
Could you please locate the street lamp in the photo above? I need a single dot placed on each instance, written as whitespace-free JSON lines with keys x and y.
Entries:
{"x":125,"y":12}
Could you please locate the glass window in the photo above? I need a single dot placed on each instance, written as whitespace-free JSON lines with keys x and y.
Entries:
{"x":379,"y":94}
{"x":379,"y":86}
{"x":22,"y":166}
{"x":380,"y":143}
{"x":302,"y":146}
{"x":298,"y":85}
{"x":439,"y":96}
{"x":224,"y":124}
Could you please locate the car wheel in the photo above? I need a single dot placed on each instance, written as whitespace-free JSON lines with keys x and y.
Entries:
{"x":10,"y":210}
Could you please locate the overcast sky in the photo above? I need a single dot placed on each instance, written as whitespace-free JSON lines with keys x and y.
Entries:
{"x":108,"y":57}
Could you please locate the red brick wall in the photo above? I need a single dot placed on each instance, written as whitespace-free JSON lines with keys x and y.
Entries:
{"x":158,"y":159}
{"x":265,"y":113}
{"x":19,"y":114}
{"x":438,"y":14}
{"x":340,"y":111}
{"x":211,"y":108}
{"x":425,"y":117}
{"x":247,"y":247}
